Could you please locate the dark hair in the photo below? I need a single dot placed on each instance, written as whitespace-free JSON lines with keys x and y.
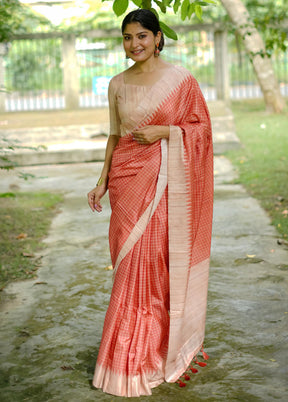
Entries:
{"x":147,"y":19}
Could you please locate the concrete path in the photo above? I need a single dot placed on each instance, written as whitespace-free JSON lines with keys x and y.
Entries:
{"x":51,"y":327}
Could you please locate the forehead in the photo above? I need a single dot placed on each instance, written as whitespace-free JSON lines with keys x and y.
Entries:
{"x":134,"y":28}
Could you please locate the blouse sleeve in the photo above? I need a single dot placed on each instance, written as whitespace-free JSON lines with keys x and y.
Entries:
{"x":113,"y":110}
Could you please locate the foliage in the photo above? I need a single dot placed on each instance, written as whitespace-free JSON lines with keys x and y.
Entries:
{"x":8,"y":22}
{"x":34,"y":63}
{"x":262,"y":161}
{"x":7,"y":147}
{"x":187,"y":9}
{"x":25,"y":220}
{"x":268,"y":16}
{"x":18,"y":18}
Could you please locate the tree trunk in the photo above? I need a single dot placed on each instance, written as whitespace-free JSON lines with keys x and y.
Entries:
{"x":254,"y":46}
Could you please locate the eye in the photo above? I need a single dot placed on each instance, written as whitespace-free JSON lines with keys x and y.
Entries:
{"x":142,"y":36}
{"x":126,"y":37}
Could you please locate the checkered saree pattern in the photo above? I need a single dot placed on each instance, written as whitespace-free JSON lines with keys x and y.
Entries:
{"x":155,"y":321}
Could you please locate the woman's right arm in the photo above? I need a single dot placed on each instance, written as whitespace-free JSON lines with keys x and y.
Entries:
{"x":95,"y":195}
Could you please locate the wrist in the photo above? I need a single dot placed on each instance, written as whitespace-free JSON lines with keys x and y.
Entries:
{"x":164,"y":131}
{"x":101,"y":181}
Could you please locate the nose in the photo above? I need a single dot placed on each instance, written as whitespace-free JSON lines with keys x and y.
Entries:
{"x":134,"y":42}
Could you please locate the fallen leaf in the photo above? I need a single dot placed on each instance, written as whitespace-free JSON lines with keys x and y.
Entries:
{"x":109,"y":268}
{"x":28,"y":255}
{"x":273,"y":360}
{"x":250,"y":255}
{"x":21,"y":236}
{"x":67,"y":368}
{"x":40,"y":283}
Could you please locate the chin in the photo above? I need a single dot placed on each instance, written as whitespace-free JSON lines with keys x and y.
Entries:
{"x":140,"y":57}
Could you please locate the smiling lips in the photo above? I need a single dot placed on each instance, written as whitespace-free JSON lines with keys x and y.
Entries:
{"x":136,"y":52}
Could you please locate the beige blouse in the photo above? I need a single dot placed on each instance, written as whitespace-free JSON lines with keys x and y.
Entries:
{"x":123,"y":99}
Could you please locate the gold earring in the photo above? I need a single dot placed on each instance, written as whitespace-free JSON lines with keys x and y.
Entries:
{"x":157,"y":51}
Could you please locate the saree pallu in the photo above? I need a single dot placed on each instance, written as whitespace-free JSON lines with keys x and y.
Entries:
{"x":161,"y":197}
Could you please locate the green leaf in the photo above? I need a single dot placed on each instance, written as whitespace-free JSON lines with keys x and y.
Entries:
{"x":191,"y":10}
{"x":137,"y":2}
{"x":155,"y":12}
{"x":26,"y":176}
{"x":176,"y":5}
{"x":161,"y":5}
{"x":205,"y":3}
{"x":146,"y":4}
{"x":168,"y":31}
{"x":198,"y":12}
{"x":120,"y":6}
{"x":184,"y":9}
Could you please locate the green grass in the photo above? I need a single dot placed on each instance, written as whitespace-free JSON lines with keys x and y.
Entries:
{"x":262,"y":162}
{"x":25,"y":220}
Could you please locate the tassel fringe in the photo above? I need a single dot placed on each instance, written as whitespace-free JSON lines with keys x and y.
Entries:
{"x":185,"y":376}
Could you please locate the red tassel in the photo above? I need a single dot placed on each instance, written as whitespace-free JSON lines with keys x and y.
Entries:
{"x":186,"y":376}
{"x":201,"y":364}
{"x":205,"y":356}
{"x":194,"y":370}
{"x":181,"y":383}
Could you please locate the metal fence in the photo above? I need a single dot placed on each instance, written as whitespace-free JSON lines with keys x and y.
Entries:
{"x":33,"y":75}
{"x":243,"y":81}
{"x":34,"y":70}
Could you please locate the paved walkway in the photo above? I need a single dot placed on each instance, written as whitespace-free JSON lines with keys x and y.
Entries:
{"x":51,"y":327}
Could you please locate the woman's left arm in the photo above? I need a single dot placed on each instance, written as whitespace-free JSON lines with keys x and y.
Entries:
{"x":150,"y":134}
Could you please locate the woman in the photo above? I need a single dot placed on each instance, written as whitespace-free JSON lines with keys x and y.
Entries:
{"x":161,"y":194}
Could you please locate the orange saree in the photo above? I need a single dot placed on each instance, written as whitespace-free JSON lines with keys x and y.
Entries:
{"x":161,"y":197}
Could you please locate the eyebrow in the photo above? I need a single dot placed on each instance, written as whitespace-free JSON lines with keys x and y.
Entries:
{"x":139,"y":33}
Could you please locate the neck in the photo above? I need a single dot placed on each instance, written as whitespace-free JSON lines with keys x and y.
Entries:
{"x":147,"y":66}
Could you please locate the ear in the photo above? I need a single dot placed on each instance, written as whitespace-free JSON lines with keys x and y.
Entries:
{"x":158,"y":37}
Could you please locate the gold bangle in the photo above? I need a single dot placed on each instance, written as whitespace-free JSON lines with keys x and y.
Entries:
{"x":100,"y":181}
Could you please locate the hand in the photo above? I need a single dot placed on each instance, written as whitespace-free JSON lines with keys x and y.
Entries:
{"x":94,"y":197}
{"x":149,"y":134}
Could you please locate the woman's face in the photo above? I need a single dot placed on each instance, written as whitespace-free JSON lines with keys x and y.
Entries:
{"x":139,"y":43}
